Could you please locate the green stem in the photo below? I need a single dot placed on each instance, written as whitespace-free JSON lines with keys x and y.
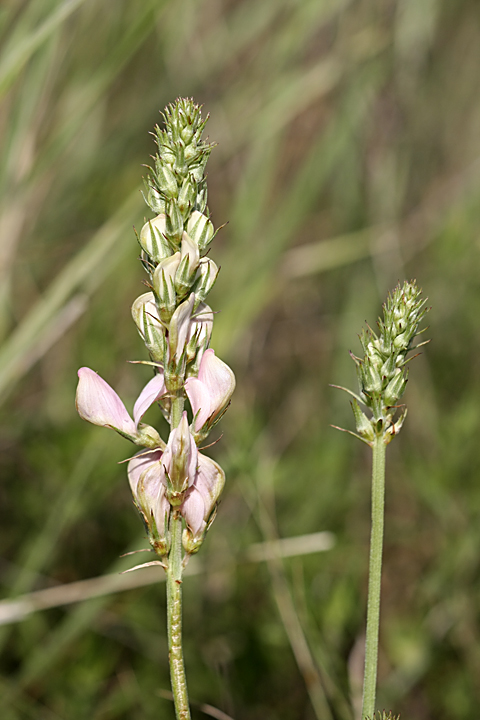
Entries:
{"x":374,"y":578}
{"x":174,"y":594}
{"x":177,"y":409}
{"x":174,"y":613}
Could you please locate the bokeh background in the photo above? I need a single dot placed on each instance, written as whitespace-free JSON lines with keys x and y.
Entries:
{"x":348,"y":158}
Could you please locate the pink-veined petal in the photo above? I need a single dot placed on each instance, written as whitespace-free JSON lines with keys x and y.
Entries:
{"x":193,"y":510}
{"x":180,"y":456}
{"x":147,"y":462}
{"x":98,"y":403}
{"x":179,"y":327}
{"x":199,"y":396}
{"x":218,"y":378}
{"x":148,"y":483}
{"x":210,"y":481}
{"x":152,"y":391}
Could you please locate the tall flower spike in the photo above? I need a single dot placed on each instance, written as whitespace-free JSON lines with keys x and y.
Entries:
{"x":175,"y":487}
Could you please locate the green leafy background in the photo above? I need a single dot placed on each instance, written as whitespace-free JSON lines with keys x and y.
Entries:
{"x":348,"y":158}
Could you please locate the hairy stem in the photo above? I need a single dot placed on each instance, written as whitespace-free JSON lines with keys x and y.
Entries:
{"x":174,"y":595}
{"x":374,"y":578}
{"x":174,"y":612}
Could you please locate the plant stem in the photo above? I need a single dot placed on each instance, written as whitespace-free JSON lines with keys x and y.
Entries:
{"x":174,"y":594}
{"x":374,"y":578}
{"x":174,"y":613}
{"x":178,"y":402}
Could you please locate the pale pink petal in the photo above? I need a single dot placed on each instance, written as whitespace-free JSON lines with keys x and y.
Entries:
{"x":152,"y":391}
{"x":193,"y":510}
{"x":202,"y":497}
{"x":179,"y":327}
{"x":141,"y":463}
{"x":211,"y":391}
{"x":98,"y":403}
{"x":161,"y":509}
{"x":180,"y":456}
{"x":199,"y":396}
{"x":202,"y":323}
{"x":147,"y":479}
{"x":218,"y":378}
{"x":210,"y":481}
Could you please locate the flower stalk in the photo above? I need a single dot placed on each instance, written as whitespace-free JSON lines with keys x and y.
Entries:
{"x":382,"y":379}
{"x":175,"y":487}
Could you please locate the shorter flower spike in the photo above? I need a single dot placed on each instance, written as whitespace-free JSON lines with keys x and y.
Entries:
{"x":382,"y":375}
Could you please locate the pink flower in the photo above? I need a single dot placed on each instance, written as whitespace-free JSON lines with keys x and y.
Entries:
{"x":210,"y":392}
{"x":150,"y":477}
{"x":180,"y":457}
{"x":146,"y":475}
{"x":98,"y":403}
{"x":202,"y":496}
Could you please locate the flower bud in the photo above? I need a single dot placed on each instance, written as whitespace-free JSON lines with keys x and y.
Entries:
{"x":164,"y":286}
{"x":199,"y":335}
{"x":174,"y":222}
{"x":145,"y":316}
{"x":179,"y":329}
{"x":206,"y":276}
{"x":167,"y":183}
{"x":363,"y":424}
{"x":180,"y":461}
{"x":187,"y":195}
{"x":200,"y":229}
{"x":152,"y":239}
{"x":372,"y":382}
{"x":187,"y":269}
{"x":153,"y":199}
{"x":395,"y":388}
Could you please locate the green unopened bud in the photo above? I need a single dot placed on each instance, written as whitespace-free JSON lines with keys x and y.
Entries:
{"x":174,"y":223}
{"x":206,"y":276}
{"x":201,"y":199}
{"x":149,"y":437}
{"x":145,"y":316}
{"x":363,"y":424}
{"x":167,"y":183}
{"x":200,"y":229}
{"x":152,"y":239}
{"x":395,"y":388}
{"x":372,"y":382}
{"x":191,"y":544}
{"x":187,"y":269}
{"x":187,"y":196}
{"x":154,"y":199}
{"x":389,"y":367}
{"x":164,"y":286}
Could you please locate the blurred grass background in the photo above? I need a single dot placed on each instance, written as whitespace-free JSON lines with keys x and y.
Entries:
{"x":348,"y":158}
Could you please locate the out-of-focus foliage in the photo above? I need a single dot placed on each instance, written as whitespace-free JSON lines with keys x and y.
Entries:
{"x":348,"y":158}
